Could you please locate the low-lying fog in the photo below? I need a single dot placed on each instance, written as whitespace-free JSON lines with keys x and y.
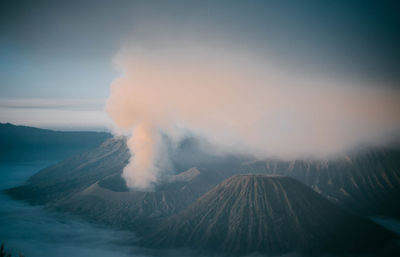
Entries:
{"x":36,"y":232}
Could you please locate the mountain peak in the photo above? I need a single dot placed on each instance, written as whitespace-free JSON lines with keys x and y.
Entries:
{"x":269,"y":214}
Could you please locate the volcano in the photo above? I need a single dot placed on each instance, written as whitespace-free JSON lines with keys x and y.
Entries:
{"x":267,"y":214}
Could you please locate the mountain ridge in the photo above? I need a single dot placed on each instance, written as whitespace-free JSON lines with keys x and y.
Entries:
{"x":23,"y":143}
{"x":60,"y":185}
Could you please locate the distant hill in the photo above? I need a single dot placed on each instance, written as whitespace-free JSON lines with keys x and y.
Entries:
{"x":22,"y":143}
{"x":267,"y":214}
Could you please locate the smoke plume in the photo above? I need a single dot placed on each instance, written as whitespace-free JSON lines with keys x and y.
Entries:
{"x":242,"y":104}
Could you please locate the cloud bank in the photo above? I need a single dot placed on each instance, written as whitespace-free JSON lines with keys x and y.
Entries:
{"x":242,"y":104}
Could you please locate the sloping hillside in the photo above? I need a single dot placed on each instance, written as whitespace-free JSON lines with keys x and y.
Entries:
{"x":267,"y":214}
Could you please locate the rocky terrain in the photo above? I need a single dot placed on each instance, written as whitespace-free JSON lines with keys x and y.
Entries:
{"x":267,"y":214}
{"x":291,"y":217}
{"x":136,"y":210}
{"x":366,"y":183}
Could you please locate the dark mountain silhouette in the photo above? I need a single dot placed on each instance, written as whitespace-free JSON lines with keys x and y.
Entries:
{"x":267,"y":214}
{"x":21,"y":143}
{"x":90,"y":184}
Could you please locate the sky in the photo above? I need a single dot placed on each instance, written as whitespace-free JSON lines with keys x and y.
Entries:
{"x":58,"y":57}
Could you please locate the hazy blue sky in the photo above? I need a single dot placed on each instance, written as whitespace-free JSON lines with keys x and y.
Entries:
{"x":63,"y":50}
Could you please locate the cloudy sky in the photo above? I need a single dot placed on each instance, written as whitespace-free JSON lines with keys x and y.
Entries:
{"x":57,"y":57}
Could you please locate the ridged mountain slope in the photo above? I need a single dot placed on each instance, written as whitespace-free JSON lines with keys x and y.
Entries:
{"x":267,"y":214}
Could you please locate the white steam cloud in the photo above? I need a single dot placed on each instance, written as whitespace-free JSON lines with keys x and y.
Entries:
{"x":241,"y":104}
